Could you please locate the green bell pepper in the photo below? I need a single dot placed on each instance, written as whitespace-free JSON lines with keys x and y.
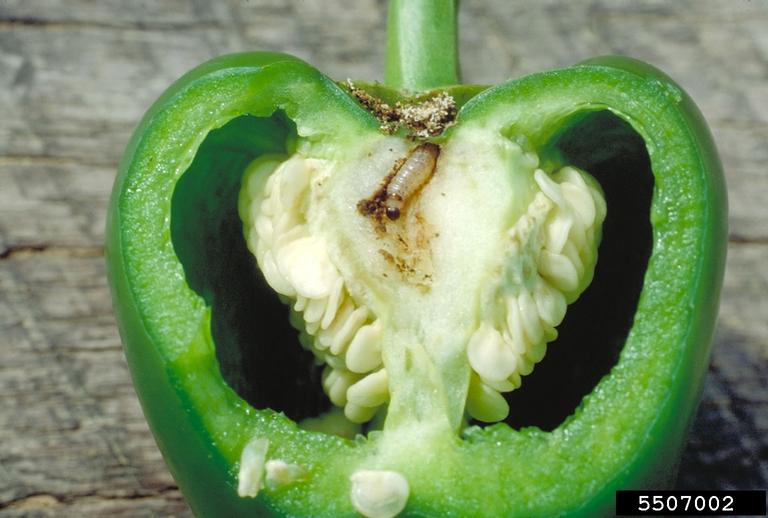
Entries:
{"x":450,"y":243}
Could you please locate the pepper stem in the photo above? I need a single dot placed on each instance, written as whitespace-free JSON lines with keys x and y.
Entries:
{"x":422,"y":48}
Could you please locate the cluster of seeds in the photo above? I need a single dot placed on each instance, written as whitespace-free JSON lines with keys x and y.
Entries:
{"x":551,"y":254}
{"x":342,"y":333}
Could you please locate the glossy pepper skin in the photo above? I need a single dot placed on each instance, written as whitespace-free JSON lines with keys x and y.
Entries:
{"x":627,"y":433}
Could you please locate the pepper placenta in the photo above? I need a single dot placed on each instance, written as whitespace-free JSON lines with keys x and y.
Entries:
{"x":433,"y":241}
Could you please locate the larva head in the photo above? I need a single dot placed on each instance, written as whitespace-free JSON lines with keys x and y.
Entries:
{"x":444,"y":304}
{"x":393,"y":212}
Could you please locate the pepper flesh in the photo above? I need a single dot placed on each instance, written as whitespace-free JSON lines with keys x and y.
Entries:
{"x":626,"y":434}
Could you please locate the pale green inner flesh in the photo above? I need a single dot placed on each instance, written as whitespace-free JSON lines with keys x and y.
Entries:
{"x":423,"y":321}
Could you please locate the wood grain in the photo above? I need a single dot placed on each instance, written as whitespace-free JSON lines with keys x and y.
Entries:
{"x":75,"y":79}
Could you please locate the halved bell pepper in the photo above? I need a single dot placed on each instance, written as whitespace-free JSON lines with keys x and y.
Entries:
{"x":428,"y":237}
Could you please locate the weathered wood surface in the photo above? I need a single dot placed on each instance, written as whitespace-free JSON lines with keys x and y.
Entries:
{"x":76,"y":76}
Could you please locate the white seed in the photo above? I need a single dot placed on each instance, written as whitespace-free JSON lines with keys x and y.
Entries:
{"x":501,"y":385}
{"x":530,"y":160}
{"x":259,"y":178}
{"x":314,"y":310}
{"x":551,"y":304}
{"x":517,"y":346}
{"x":252,"y":242}
{"x":334,"y":301}
{"x":484,"y":403}
{"x":272,"y":180}
{"x":536,"y":351}
{"x":550,"y":188}
{"x":283,"y":223}
{"x":364,"y":352}
{"x":281,"y":473}
{"x":326,"y":336}
{"x":489,"y":356}
{"x":525,"y":365}
{"x":579,"y":179}
{"x":342,"y":338}
{"x":558,"y":270}
{"x":515,"y":326}
{"x":572,"y":253}
{"x":600,"y":205}
{"x":294,"y":181}
{"x":264,"y":230}
{"x":572,"y":175}
{"x":312,"y":327}
{"x":580,"y":199}
{"x":267,"y":208}
{"x":371,"y":391}
{"x":334,"y":361}
{"x":251,"y":472}
{"x":336,"y":382}
{"x":359,"y":414}
{"x":323,"y":338}
{"x":379,"y":493}
{"x":273,"y":276}
{"x":305,"y":264}
{"x":300,"y":304}
{"x":295,"y":231}
{"x":557,"y":232}
{"x":578,"y":234}
{"x":529,"y":316}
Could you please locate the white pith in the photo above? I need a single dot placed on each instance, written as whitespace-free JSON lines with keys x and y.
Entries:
{"x":504,"y":305}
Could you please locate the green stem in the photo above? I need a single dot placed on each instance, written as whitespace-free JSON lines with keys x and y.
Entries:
{"x":422,"y":48}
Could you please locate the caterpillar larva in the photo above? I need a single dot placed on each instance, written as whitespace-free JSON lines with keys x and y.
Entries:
{"x":410,"y":177}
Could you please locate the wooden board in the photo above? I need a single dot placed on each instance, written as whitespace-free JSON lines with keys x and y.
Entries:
{"x":76,"y":77}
